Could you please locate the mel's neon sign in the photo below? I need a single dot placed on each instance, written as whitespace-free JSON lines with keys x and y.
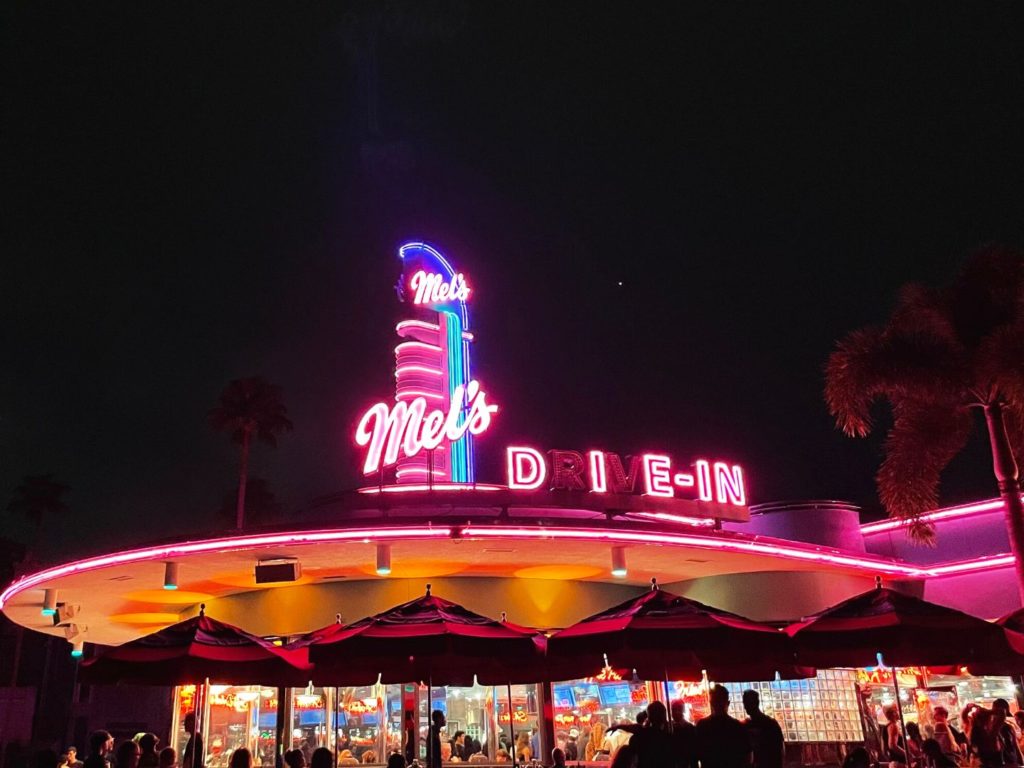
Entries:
{"x":408,"y":427}
{"x":433,"y":288}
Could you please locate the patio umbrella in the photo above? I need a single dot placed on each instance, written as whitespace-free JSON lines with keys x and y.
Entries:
{"x":905,"y":630}
{"x":197,"y":650}
{"x":427,"y":639}
{"x":662,"y":636}
{"x":1013,"y":627}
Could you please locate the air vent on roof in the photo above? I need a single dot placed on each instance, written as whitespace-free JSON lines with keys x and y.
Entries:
{"x":122,"y":577}
{"x":496,"y":550}
{"x":333,"y":578}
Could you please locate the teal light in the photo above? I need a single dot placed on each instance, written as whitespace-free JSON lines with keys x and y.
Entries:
{"x":76,"y":654}
{"x":49,"y":611}
{"x":170,"y":586}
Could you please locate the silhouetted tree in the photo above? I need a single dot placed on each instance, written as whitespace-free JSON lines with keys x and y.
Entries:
{"x":261,"y":505}
{"x":943,"y":354}
{"x":250,"y":408}
{"x":39,"y":497}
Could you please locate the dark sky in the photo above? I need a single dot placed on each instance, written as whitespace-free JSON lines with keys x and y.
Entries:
{"x":195,"y":193}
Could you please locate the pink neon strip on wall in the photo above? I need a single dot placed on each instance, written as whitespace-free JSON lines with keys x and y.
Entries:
{"x":704,"y":522}
{"x":950,"y":513}
{"x":413,"y":368}
{"x":409,"y":487}
{"x":218,"y":545}
{"x":425,"y":326}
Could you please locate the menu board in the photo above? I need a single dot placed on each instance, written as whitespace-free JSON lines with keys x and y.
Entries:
{"x":564,"y":698}
{"x":615,"y":695}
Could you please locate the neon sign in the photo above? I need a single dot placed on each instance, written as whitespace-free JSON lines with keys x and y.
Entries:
{"x":603,"y":472}
{"x":409,"y":428}
{"x":432,"y":288}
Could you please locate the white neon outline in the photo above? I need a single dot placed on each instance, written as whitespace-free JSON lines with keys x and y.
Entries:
{"x":411,"y":346}
{"x":668,"y":517}
{"x":425,"y":326}
{"x":657,"y":475}
{"x":415,"y":368}
{"x":683,"y":479}
{"x":516,"y":481}
{"x":704,"y":490}
{"x":598,"y":471}
{"x":729,"y":484}
{"x":413,"y":392}
{"x":419,"y":471}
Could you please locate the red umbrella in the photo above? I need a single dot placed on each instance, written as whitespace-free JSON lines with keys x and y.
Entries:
{"x":906,"y":630}
{"x":427,"y":639}
{"x":662,"y":635}
{"x":195,"y":650}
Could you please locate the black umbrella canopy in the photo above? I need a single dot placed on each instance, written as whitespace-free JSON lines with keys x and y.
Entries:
{"x":905,"y":630}
{"x":660,"y":635}
{"x":427,"y":639}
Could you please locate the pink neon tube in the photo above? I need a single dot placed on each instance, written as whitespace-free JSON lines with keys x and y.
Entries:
{"x":218,"y":545}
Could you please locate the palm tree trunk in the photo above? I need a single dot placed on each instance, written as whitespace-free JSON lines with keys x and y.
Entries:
{"x":1005,"y":468}
{"x":243,"y":476}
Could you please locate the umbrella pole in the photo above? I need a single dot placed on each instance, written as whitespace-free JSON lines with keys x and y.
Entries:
{"x":668,"y":702}
{"x":899,"y":710}
{"x":511,"y":726}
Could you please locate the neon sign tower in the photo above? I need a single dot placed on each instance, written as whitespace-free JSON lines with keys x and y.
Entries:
{"x":432,"y":360}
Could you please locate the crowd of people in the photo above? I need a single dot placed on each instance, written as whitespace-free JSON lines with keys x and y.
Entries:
{"x":660,"y":738}
{"x":987,"y":738}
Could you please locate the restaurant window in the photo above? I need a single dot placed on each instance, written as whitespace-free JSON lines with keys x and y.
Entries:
{"x":236,"y":716}
{"x":818,"y":709}
{"x":585,"y":709}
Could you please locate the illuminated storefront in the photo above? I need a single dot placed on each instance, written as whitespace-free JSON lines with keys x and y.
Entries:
{"x":555,"y":536}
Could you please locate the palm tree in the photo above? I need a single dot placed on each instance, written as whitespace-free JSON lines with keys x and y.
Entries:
{"x":261,"y":505}
{"x":247,"y":408}
{"x":944,"y":354}
{"x":37,"y":498}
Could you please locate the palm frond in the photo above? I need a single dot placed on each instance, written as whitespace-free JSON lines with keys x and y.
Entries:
{"x":923,"y":440}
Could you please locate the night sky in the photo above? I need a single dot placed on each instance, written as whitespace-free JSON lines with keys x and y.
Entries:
{"x":200,"y":192}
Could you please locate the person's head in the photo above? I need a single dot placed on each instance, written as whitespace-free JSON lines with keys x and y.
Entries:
{"x":396,"y":760}
{"x":940,"y":714}
{"x":241,"y":758}
{"x":501,"y":756}
{"x":914,"y":731}
{"x":148,"y":742}
{"x":100,"y":742}
{"x":369,"y":757}
{"x":557,"y":757}
{"x":641,"y":717}
{"x":437,"y":718}
{"x":321,"y":758}
{"x":446,"y":751}
{"x":168,"y":757}
{"x":459,"y":737}
{"x":294,"y":758}
{"x":523,"y":739}
{"x":1001,"y":705}
{"x":128,"y":754}
{"x":719,"y":699}
{"x":891,"y":714}
{"x":190,"y":723}
{"x":678,"y":710}
{"x":71,"y":754}
{"x":858,"y":757}
{"x":45,"y":758}
{"x":625,"y":757}
{"x":751,"y":701}
{"x":657,"y":715}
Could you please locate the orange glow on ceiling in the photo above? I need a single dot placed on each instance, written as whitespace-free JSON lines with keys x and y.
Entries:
{"x":144,"y":618}
{"x":247,"y":580}
{"x":558,"y":572}
{"x":168,"y":596}
{"x":416,"y":568}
